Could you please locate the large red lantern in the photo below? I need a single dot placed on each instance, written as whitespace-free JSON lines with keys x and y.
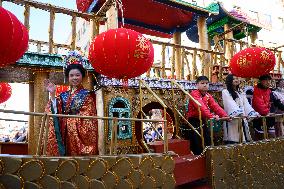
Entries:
{"x":5,"y":92}
{"x":13,"y":36}
{"x":83,"y":5}
{"x":121,"y":53}
{"x":252,"y":62}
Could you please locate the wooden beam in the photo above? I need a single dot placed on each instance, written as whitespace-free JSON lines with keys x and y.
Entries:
{"x":57,"y":9}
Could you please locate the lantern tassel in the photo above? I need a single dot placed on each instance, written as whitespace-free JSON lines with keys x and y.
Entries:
{"x":125,"y":84}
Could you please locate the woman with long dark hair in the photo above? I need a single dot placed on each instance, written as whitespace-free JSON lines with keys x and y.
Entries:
{"x":236,"y":104}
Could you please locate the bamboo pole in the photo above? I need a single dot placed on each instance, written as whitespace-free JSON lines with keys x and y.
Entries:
{"x":51,"y":30}
{"x":240,"y":125}
{"x":194,"y":71}
{"x":73,"y":39}
{"x":191,"y":126}
{"x":279,"y":62}
{"x":211,"y":132}
{"x":187,"y":64}
{"x":177,"y":40}
{"x":166,"y":148}
{"x":27,"y":16}
{"x":41,"y":134}
{"x":163,"y":61}
{"x":183,"y":46}
{"x":46,"y":134}
{"x":183,"y":64}
{"x":57,"y":9}
{"x":173,"y":63}
{"x":31,"y":143}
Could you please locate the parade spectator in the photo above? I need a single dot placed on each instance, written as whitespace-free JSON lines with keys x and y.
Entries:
{"x":278,"y":94}
{"x":236,"y":104}
{"x":209,"y":109}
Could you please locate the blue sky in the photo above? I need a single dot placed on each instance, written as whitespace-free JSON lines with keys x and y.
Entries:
{"x":39,"y":20}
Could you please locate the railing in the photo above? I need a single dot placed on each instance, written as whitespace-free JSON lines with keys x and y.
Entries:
{"x":44,"y":127}
{"x":141,"y":82}
{"x":201,"y":135}
{"x":191,"y":57}
{"x":240,"y":127}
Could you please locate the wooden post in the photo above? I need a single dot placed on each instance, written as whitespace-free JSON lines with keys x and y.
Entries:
{"x":228,"y":49}
{"x":177,"y":62}
{"x":40,"y":101}
{"x":253,"y":37}
{"x":31,"y":142}
{"x":203,"y":42}
{"x":173,"y":64}
{"x":112,"y":17}
{"x":87,"y":82}
{"x":51,"y":30}
{"x":163,"y":61}
{"x":279,"y":61}
{"x":73,"y":39}
{"x":95,"y":26}
{"x":27,"y":16}
{"x":194,"y":70}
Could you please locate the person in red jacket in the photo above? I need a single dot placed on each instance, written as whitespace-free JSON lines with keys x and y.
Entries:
{"x":264,"y":103}
{"x":209,"y":109}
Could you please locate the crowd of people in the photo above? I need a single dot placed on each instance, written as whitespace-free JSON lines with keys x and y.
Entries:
{"x":16,"y":135}
{"x":265,"y":103}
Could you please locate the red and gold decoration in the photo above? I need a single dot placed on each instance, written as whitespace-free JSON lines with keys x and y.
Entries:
{"x":121,"y":53}
{"x":252,"y":62}
{"x":5,"y":92}
{"x":13,"y":36}
{"x":83,"y":5}
{"x":60,"y":89}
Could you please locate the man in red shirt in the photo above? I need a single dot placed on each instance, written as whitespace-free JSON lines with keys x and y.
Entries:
{"x":264,"y":102}
{"x":209,"y":109}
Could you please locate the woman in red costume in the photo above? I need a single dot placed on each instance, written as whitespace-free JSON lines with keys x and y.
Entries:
{"x":72,"y":136}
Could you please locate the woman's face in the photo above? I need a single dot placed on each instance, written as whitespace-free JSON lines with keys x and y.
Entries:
{"x":75,"y":77}
{"x":236,"y":81}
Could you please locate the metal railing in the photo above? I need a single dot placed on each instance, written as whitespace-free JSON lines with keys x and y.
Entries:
{"x":44,"y":127}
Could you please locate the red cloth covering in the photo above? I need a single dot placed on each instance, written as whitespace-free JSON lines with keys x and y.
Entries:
{"x":208,"y":104}
{"x":261,"y":100}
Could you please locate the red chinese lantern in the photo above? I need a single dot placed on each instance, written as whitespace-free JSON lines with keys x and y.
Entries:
{"x":60,"y":89}
{"x":252,"y":62}
{"x":83,"y":5}
{"x":5,"y":92}
{"x":121,"y":53}
{"x":13,"y":36}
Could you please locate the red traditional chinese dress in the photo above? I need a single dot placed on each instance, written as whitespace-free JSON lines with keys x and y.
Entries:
{"x":73,"y":136}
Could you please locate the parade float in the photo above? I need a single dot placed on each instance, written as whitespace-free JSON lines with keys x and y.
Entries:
{"x":124,"y":103}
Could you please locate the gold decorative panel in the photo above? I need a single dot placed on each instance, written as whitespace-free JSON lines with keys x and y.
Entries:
{"x":254,"y":165}
{"x":133,"y":171}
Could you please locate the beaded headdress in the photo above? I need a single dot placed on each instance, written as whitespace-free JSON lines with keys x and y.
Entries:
{"x":74,"y":57}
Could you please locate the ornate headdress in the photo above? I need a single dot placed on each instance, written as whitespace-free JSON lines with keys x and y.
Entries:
{"x":74,"y":57}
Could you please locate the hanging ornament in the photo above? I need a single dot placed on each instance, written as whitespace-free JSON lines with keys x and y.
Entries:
{"x":252,"y":62}
{"x":121,"y":53}
{"x":5,"y":92}
{"x":14,"y":38}
{"x":61,"y":89}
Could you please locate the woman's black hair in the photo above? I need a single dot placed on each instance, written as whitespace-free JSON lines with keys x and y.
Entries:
{"x":278,"y":82}
{"x":202,"y":78}
{"x":230,"y":87}
{"x":74,"y":66}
